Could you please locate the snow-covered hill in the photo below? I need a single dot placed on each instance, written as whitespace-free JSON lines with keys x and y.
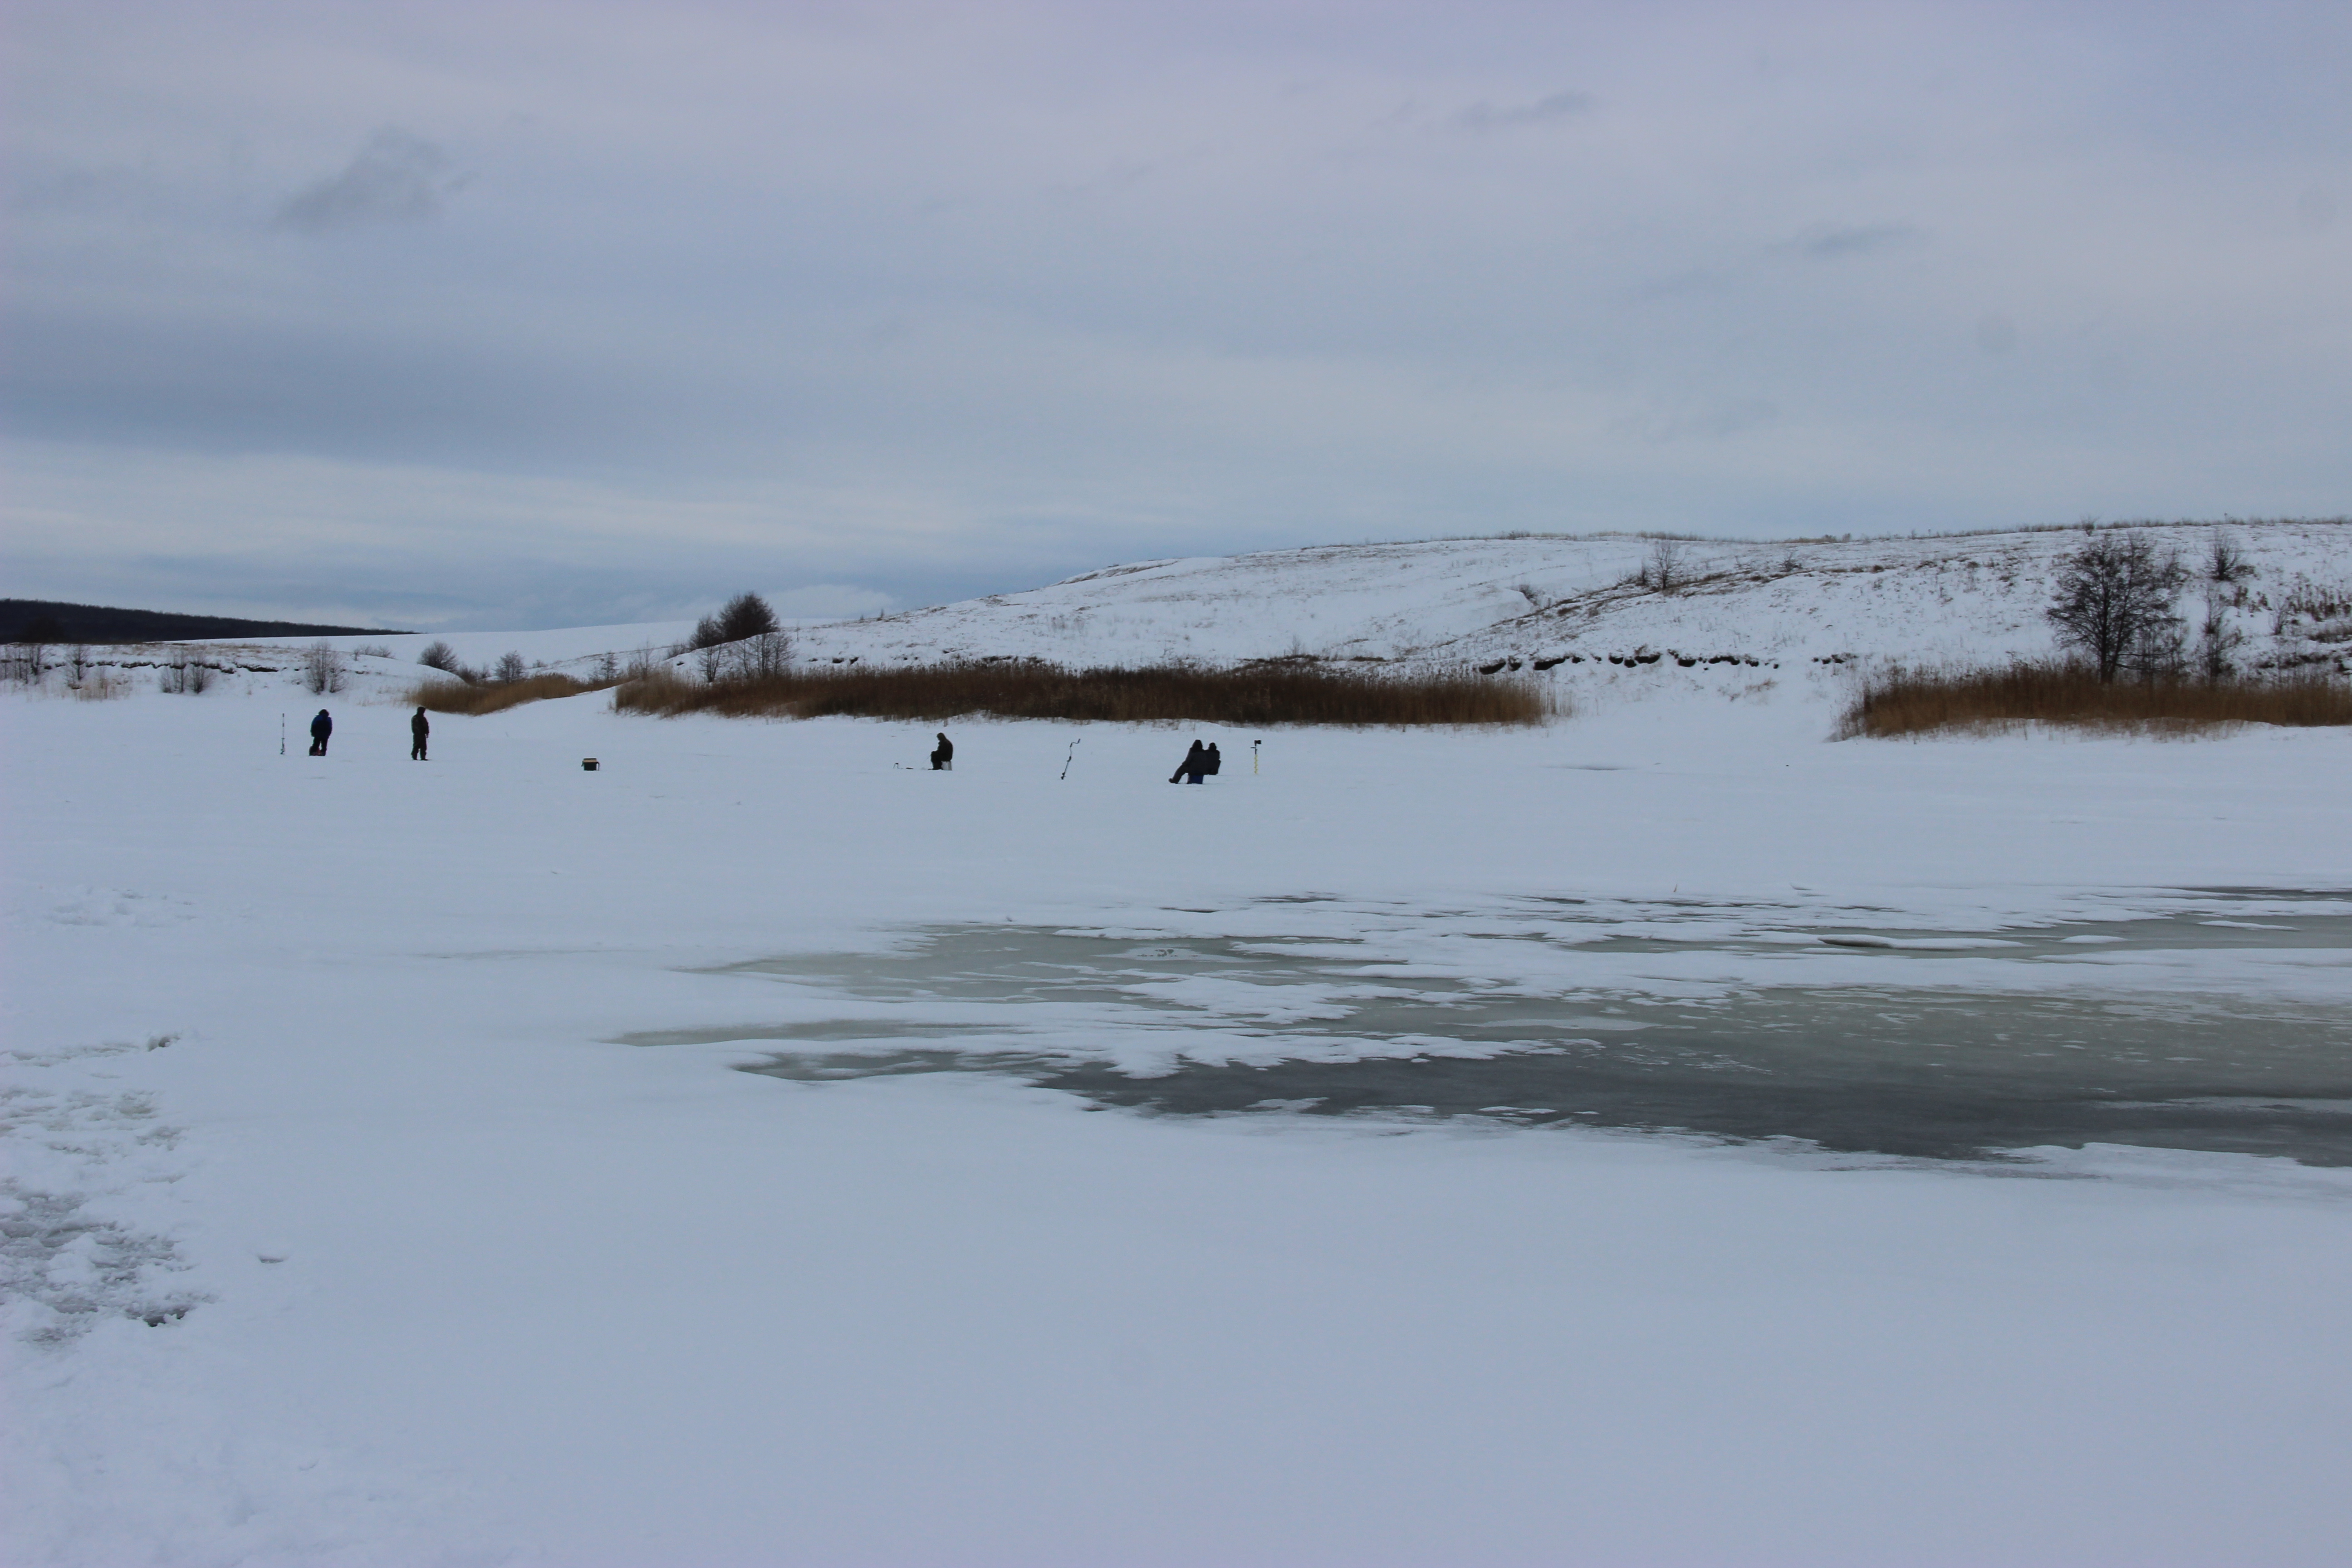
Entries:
{"x":1581,"y":601}
{"x":1626,"y":614}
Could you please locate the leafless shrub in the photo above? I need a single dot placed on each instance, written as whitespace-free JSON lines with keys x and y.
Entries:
{"x":509,"y":669}
{"x":2225,"y":561}
{"x":2004,"y":697}
{"x":2218,"y":640}
{"x":759,"y":657}
{"x":372,"y":650}
{"x":1276,"y":692}
{"x":184,"y":674}
{"x":2306,"y":601}
{"x":2114,"y":604}
{"x":1660,"y":568}
{"x":322,"y":668}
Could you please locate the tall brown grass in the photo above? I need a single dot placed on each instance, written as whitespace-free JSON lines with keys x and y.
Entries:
{"x":495,"y":696}
{"x":1272,"y":693}
{"x":2003,"y":696}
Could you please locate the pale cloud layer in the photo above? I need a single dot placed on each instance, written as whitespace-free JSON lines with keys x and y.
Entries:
{"x":518,"y":314}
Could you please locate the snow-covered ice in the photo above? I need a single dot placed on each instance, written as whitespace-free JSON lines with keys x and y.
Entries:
{"x":381,"y":1189}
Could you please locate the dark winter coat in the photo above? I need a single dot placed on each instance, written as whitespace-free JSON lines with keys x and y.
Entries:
{"x":1212,"y":758}
{"x":1195,"y":763}
{"x":321,"y":727}
{"x":418,"y":727}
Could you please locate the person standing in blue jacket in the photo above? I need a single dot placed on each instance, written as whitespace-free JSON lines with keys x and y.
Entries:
{"x":321,"y":728}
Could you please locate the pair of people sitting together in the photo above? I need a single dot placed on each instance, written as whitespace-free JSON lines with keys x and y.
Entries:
{"x":1201,"y":760}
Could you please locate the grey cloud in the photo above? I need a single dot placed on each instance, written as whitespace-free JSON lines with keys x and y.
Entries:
{"x":1829,"y":243}
{"x":395,"y":178}
{"x":1557,"y":106}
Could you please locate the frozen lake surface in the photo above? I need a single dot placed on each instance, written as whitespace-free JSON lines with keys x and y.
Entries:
{"x":1560,"y":1146}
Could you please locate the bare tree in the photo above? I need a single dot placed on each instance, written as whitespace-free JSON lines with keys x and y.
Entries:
{"x":766,"y":653}
{"x":763,"y":654}
{"x":2113,"y":603}
{"x":744,"y":615}
{"x":1661,"y":567}
{"x":440,"y":656}
{"x":322,"y":667}
{"x":1665,"y":566}
{"x":510,"y":668}
{"x":28,"y":660}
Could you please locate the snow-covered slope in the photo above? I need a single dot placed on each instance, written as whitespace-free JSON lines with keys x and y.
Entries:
{"x":1579,"y":600}
{"x":1583,"y":610}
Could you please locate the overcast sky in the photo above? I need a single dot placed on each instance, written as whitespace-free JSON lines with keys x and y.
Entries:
{"x":504,"y":315}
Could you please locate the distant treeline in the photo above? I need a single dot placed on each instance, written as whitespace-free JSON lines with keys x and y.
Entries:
{"x":48,"y":621}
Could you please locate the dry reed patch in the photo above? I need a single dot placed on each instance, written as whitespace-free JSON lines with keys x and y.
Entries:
{"x":2003,"y":696}
{"x":1155,"y":694}
{"x":495,"y":696}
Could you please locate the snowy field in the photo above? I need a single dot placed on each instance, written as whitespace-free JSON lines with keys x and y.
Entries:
{"x":382,"y":1189}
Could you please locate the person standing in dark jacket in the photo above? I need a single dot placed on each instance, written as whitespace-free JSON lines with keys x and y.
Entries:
{"x":418,"y":729}
{"x":943,"y":753}
{"x":321,"y":728}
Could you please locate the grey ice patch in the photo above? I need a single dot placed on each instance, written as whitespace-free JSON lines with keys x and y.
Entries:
{"x":80,"y":1268}
{"x":1920,"y":1061}
{"x":63,"y":1266}
{"x":115,"y":907}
